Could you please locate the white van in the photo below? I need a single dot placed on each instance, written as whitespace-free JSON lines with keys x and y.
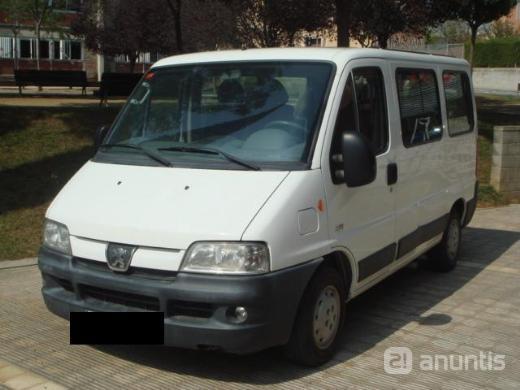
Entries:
{"x":249,"y":194}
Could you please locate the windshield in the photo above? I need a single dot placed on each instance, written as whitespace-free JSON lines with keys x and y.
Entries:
{"x":213,"y":115}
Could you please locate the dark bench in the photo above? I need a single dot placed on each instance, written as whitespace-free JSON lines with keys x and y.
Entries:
{"x":51,"y":78}
{"x":117,"y":84}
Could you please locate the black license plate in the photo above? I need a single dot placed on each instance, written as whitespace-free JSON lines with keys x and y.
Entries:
{"x":98,"y":328}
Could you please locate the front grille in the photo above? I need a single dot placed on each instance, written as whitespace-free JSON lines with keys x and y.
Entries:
{"x":66,"y":284}
{"x":146,"y":273}
{"x":189,"y":309}
{"x":135,"y":301}
{"x":63,"y":283}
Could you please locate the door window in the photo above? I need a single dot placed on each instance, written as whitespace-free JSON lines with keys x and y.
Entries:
{"x":362,"y":109}
{"x":459,"y":103}
{"x":421,"y":120}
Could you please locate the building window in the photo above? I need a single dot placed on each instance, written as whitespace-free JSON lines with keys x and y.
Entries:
{"x":44,"y":49}
{"x":68,"y":5}
{"x":56,"y":50}
{"x":312,"y":42}
{"x":26,"y":48}
{"x":70,"y":50}
{"x":419,"y":104}
{"x":75,"y":51}
{"x":6,"y":47}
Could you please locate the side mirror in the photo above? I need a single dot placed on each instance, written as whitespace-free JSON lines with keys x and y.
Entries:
{"x":100,"y":135}
{"x":358,"y":160}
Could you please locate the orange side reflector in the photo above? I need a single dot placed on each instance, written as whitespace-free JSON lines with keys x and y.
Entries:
{"x":149,"y":76}
{"x":321,"y":205}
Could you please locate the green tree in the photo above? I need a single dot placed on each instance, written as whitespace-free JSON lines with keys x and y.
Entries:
{"x":455,"y":31}
{"x":478,"y":12}
{"x":129,"y":28}
{"x":293,"y":16}
{"x":42,"y":15}
{"x":271,"y":23}
{"x":255,"y":26}
{"x":378,"y":20}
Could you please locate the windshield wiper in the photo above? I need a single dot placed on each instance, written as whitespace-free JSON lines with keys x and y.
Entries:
{"x":229,"y":157}
{"x":154,"y":156}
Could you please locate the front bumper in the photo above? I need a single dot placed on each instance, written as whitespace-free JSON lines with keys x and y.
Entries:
{"x":198,"y":308}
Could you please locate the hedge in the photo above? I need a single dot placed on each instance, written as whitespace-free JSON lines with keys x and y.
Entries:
{"x":496,"y":53}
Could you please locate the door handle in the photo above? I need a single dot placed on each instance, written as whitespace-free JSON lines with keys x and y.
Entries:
{"x":391,"y":174}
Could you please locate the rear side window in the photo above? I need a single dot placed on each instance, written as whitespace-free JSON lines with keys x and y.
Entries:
{"x":459,"y":102}
{"x":421,"y":120}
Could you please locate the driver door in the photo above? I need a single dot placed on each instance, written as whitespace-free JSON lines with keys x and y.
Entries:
{"x":362,"y":219}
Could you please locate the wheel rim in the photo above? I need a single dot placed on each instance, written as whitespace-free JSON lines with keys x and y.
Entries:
{"x":452,"y":242}
{"x":327,"y":314}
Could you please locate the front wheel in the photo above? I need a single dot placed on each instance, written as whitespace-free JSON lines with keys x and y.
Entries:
{"x":319,"y":321}
{"x":444,"y":256}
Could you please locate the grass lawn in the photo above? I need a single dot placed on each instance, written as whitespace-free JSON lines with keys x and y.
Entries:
{"x":42,"y":147}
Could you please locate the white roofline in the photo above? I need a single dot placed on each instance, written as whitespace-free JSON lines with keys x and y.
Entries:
{"x":339,"y":56}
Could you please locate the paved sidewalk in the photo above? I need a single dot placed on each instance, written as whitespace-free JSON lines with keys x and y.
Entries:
{"x":474,"y":309}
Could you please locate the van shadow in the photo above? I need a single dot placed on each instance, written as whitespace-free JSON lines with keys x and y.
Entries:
{"x":371,"y":318}
{"x":38,"y":182}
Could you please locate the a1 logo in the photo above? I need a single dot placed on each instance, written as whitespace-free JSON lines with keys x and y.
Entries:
{"x":398,"y":360}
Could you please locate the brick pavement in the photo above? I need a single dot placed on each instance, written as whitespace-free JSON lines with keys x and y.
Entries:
{"x":474,"y":308}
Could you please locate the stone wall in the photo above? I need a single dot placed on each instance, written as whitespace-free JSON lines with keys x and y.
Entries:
{"x":505,"y":170}
{"x":496,"y":79}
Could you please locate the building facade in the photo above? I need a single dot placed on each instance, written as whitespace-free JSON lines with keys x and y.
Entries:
{"x":58,"y":50}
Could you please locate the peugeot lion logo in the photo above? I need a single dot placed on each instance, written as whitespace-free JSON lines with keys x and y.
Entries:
{"x":119,"y":256}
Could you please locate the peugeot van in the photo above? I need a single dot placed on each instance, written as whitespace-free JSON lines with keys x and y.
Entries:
{"x":248,"y":195}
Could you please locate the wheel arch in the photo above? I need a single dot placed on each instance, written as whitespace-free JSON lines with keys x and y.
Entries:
{"x":344,"y":265}
{"x":460,"y":206}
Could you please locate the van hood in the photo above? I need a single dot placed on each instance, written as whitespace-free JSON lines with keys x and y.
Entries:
{"x":161,"y":207}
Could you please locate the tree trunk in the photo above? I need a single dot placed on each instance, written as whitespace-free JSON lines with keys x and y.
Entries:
{"x":15,"y":50}
{"x":343,"y":33}
{"x":382,"y":40}
{"x":176,"y":13}
{"x":132,"y":59}
{"x":474,"y":30}
{"x":291,"y":39}
{"x":38,"y":46}
{"x":343,"y":16}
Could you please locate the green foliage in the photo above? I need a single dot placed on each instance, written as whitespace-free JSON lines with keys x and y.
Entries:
{"x":496,"y":53}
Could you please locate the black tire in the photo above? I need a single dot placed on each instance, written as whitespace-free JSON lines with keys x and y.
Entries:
{"x":443,"y":257}
{"x":303,"y":347}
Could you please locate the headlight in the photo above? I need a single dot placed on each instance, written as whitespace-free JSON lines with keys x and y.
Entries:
{"x":56,"y":236}
{"x":227,"y":258}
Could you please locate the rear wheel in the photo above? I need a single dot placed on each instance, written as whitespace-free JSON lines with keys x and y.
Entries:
{"x":319,"y":321}
{"x":444,"y":256}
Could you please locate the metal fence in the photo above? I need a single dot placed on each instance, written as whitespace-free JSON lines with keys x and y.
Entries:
{"x":452,"y":50}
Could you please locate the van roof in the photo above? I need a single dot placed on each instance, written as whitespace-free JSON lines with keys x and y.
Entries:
{"x":337,"y":55}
